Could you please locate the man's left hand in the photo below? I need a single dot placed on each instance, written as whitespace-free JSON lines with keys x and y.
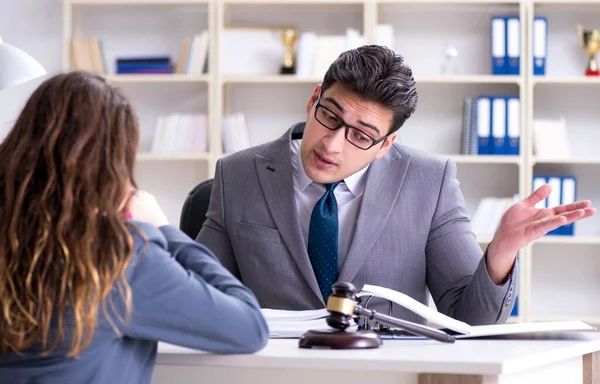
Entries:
{"x":523,"y":223}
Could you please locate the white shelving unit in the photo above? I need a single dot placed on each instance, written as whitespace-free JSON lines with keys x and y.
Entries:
{"x":423,"y":30}
{"x":562,"y":279}
{"x":175,"y":78}
{"x":469,"y":79}
{"x":158,"y":27}
{"x":136,"y":2}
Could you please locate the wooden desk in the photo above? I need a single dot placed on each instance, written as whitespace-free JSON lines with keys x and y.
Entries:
{"x":397,"y":361}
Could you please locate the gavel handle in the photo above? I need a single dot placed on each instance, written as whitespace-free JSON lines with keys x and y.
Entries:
{"x":415,"y":328}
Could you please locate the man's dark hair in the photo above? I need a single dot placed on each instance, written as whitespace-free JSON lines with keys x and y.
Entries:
{"x":376,"y":73}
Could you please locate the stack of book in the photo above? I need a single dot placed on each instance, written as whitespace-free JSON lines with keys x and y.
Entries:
{"x":235,"y":133}
{"x":193,"y":55}
{"x":180,"y":133}
{"x":145,"y":64}
{"x":564,"y":191}
{"x":292,"y":324}
{"x":506,"y":45}
{"x":87,"y":55}
{"x":489,"y":212}
{"x":491,"y":125}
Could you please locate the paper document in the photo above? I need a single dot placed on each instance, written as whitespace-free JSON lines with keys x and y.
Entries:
{"x":462,"y":330}
{"x":280,"y":314}
{"x":526,"y":328}
{"x":292,"y":324}
{"x":294,"y":329}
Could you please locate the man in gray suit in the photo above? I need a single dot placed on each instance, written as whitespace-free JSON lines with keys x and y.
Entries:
{"x":336,"y":199}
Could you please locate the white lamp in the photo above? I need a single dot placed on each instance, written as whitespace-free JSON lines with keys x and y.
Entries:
{"x":17,"y":67}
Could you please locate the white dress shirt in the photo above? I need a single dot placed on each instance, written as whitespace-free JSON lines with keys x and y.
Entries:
{"x":348,"y":195}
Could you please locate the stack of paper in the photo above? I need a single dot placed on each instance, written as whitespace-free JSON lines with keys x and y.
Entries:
{"x":292,"y":324}
{"x":550,"y":139}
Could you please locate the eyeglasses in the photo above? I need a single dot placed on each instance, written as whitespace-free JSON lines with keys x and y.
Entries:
{"x":354,"y":136}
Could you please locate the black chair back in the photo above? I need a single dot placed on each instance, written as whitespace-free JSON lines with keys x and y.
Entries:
{"x":193,"y":212}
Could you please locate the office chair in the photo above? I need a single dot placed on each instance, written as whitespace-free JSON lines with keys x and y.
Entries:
{"x":193,"y":212}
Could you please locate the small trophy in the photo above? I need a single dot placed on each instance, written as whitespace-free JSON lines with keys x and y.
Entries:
{"x":449,"y":66}
{"x":289,"y":38}
{"x":590,"y":41}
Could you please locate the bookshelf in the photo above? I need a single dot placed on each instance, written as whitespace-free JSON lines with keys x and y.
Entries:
{"x":422,"y":31}
{"x":158,"y":28}
{"x":561,"y":276}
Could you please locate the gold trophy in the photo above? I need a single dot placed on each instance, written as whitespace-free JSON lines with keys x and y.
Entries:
{"x":289,"y":38}
{"x":590,"y":41}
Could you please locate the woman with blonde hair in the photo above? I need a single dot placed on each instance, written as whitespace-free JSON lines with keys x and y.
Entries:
{"x":91,"y":273}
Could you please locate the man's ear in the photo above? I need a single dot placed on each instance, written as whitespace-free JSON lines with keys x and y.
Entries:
{"x":387,"y":144}
{"x":313,"y":99}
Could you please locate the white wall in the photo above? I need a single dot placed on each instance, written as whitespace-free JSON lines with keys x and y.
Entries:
{"x":35,"y":27}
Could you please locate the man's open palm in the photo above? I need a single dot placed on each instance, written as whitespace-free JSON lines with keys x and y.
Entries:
{"x":523,"y":223}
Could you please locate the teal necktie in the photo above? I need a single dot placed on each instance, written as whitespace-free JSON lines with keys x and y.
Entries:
{"x":323,"y":240}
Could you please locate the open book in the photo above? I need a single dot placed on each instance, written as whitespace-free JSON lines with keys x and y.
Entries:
{"x":292,"y":324}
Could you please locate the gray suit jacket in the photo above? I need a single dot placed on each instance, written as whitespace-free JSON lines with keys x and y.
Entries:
{"x":412,"y":234}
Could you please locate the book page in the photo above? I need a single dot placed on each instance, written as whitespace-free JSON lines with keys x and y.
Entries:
{"x":526,"y":328}
{"x":466,"y":331}
{"x":416,"y":307}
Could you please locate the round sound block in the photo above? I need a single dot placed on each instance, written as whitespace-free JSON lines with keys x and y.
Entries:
{"x":335,"y":339}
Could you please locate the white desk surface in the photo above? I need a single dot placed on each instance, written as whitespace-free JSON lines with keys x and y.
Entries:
{"x":481,"y":357}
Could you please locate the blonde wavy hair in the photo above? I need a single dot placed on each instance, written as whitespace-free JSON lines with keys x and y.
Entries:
{"x":65,"y":169}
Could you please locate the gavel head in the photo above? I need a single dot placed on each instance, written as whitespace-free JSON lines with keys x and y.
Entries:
{"x":341,"y":304}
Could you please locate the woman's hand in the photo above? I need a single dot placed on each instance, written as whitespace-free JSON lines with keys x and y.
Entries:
{"x":142,"y":206}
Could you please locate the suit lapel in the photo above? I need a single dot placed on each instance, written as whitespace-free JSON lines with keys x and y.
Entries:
{"x":384,"y":182}
{"x":275,"y":175}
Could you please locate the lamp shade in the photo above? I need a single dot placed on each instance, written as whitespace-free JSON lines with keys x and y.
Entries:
{"x":17,"y":67}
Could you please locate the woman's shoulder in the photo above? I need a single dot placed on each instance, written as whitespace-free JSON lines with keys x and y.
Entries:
{"x":144,"y":234}
{"x":149,"y":248}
